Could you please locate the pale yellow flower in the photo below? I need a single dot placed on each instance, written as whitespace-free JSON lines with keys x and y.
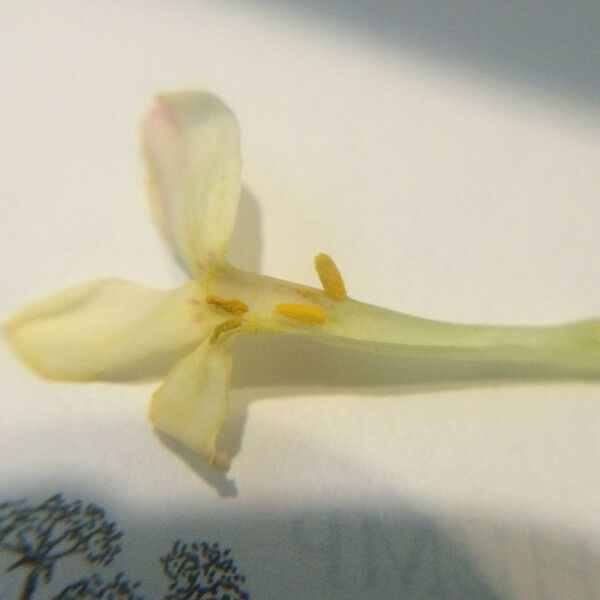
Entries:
{"x":115,"y":330}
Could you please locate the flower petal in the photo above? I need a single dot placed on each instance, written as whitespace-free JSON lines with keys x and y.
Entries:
{"x":109,"y":329}
{"x":192,"y":146}
{"x":192,"y":403}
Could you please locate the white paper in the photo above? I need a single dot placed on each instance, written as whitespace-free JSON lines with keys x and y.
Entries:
{"x":444,"y":184}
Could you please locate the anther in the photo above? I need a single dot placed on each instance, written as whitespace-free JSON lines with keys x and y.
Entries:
{"x":311,"y":315}
{"x":330,"y":277}
{"x":235,"y":307}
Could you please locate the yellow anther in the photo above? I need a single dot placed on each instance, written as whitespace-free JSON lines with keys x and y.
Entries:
{"x":311,"y":315}
{"x":224,"y":327}
{"x":235,"y":307}
{"x":330,"y":277}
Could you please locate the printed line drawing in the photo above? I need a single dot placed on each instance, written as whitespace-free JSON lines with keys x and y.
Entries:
{"x":94,"y":588}
{"x":202,"y":571}
{"x":40,"y":536}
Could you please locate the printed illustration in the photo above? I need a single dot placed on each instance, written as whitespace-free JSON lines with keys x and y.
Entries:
{"x":94,"y":588}
{"x":39,"y":537}
{"x":202,"y":571}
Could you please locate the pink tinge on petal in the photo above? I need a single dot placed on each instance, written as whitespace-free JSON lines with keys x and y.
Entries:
{"x":191,"y":142}
{"x":164,"y":150}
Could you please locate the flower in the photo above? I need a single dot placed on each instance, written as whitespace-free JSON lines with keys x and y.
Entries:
{"x":112,"y":330}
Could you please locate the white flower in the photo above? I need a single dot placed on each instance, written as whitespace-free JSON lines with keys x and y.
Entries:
{"x":115,"y":330}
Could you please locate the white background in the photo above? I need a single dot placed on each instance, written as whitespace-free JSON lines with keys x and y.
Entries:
{"x":448,"y":160}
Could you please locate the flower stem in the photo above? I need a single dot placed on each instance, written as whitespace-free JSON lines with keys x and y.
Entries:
{"x":573,"y":347}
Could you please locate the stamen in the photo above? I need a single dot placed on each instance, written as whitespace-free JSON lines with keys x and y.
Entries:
{"x":311,"y":315}
{"x":223,"y":328}
{"x":235,"y":307}
{"x":330,"y":277}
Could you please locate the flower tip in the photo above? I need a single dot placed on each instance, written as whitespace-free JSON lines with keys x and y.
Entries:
{"x":7,"y":337}
{"x":8,"y":334}
{"x":4,"y":331}
{"x":26,"y":355}
{"x":220,"y":461}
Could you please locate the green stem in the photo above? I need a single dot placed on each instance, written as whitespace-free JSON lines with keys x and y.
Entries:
{"x":570,"y":348}
{"x":574,"y":347}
